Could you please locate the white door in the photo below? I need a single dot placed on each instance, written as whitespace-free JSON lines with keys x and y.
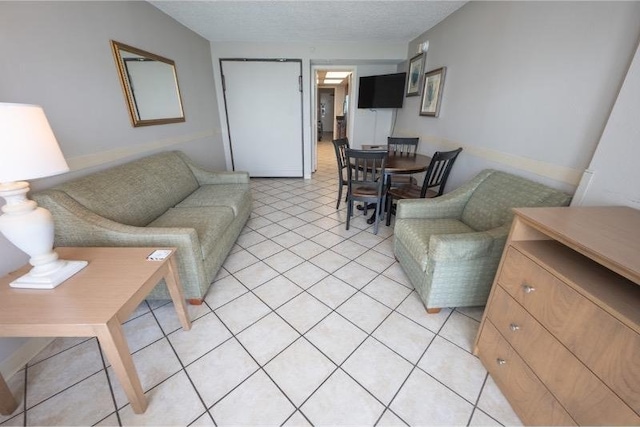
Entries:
{"x":264,"y":112}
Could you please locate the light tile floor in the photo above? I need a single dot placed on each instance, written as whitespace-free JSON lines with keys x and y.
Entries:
{"x":306,"y":324}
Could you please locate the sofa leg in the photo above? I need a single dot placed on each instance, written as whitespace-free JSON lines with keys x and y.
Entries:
{"x":195,"y":301}
{"x":433,"y":310}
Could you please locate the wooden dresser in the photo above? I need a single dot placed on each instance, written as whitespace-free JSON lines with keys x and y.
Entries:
{"x":561,"y":332}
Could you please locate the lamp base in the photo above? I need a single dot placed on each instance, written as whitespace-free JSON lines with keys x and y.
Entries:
{"x":51,"y":280}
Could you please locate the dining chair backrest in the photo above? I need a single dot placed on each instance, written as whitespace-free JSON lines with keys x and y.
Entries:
{"x":366,"y":181}
{"x":402,"y":146}
{"x":367,"y":167}
{"x":340,"y":146}
{"x":438,"y":172}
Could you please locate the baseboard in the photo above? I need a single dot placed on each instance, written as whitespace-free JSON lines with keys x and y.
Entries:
{"x":19,"y":358}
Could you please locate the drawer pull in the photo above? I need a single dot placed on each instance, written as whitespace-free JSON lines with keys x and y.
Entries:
{"x":501,"y":362}
{"x":528,"y":288}
{"x":514,"y":327}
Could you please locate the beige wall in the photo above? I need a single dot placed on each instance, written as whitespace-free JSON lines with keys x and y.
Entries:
{"x":529,"y":85}
{"x":57,"y":54}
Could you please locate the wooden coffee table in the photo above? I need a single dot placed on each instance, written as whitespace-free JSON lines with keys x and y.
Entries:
{"x":93,"y":303}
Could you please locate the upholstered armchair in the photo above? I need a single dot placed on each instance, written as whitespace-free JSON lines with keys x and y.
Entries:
{"x":450,"y":246}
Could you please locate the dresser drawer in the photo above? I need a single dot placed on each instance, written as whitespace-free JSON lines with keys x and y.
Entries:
{"x":529,"y":397}
{"x":605,"y":345}
{"x":587,"y":399}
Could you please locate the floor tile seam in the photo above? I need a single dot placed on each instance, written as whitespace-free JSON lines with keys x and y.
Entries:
{"x":381,"y":273}
{"x":414,"y":367}
{"x":31,"y":365}
{"x":457,"y":345}
{"x":111,"y":391}
{"x":270,"y":255}
{"x":477,"y":408}
{"x":246,"y":266}
{"x":290,"y":299}
{"x":323,"y":382}
{"x":206,"y":412}
{"x":473,"y":404}
{"x":192,"y":320}
{"x":422,"y":326}
{"x":466,"y":315}
{"x":303,"y":416}
{"x":183,"y":369}
{"x":27,"y":409}
{"x":258,"y":368}
{"x":394,"y":413}
{"x":315,"y":324}
{"x":13,"y":417}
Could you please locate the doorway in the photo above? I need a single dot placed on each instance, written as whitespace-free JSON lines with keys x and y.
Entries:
{"x":333,"y":85}
{"x":325,"y":108}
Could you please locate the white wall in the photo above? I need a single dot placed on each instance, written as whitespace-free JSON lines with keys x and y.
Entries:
{"x":613,"y":176}
{"x":529,"y":85}
{"x":57,"y":54}
{"x":366,"y":57}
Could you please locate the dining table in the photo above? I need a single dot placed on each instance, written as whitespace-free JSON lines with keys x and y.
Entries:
{"x":398,"y":164}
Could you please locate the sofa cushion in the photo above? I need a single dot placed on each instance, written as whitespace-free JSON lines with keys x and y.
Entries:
{"x":210,"y":223}
{"x":416,"y":233}
{"x":135,"y":193}
{"x":490,"y":204}
{"x":235,"y":196}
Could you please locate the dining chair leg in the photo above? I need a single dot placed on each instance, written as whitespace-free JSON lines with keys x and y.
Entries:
{"x":389,"y":206}
{"x":349,"y":211}
{"x":339,"y":195}
{"x":378,"y":213}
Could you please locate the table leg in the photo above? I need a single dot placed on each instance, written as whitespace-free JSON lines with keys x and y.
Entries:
{"x":175,"y":290}
{"x":115,"y":346}
{"x":8,"y":403}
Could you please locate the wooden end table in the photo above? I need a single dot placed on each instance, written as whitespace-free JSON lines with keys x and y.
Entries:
{"x":92,"y":303}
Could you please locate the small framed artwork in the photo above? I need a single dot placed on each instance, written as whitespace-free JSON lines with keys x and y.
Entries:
{"x":414,"y":80}
{"x":432,"y":92}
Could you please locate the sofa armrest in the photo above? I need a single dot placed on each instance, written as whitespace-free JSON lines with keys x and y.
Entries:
{"x":466,"y":246}
{"x":450,"y":205}
{"x":204,"y":176}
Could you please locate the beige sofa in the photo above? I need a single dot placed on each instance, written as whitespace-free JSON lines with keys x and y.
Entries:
{"x":160,"y":200}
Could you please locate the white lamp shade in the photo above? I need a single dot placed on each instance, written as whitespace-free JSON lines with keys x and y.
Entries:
{"x":28,"y":148}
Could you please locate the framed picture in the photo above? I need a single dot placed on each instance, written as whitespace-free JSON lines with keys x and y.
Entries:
{"x":432,"y":92}
{"x":414,"y":79}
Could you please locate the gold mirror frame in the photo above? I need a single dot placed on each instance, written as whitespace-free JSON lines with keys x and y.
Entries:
{"x":169,"y":89}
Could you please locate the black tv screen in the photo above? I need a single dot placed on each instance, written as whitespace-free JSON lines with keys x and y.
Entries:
{"x":383,"y":91}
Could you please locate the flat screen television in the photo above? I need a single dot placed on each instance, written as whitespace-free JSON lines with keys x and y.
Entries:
{"x":383,"y":91}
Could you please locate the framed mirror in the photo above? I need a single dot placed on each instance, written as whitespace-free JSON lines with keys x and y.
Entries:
{"x":150,"y":86}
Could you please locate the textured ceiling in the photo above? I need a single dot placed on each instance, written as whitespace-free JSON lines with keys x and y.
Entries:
{"x":308,"y":21}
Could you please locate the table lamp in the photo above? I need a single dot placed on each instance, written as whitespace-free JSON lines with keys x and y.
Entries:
{"x":29,"y":150}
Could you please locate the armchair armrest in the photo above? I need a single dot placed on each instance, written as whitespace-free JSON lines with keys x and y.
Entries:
{"x":466,"y":246}
{"x":440,"y":207}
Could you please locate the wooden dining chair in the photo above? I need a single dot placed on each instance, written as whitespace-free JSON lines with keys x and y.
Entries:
{"x":340,"y":145}
{"x":402,"y":146}
{"x":366,"y":181}
{"x":433,"y":185}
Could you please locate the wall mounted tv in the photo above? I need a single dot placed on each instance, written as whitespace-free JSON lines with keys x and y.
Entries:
{"x":383,"y":91}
